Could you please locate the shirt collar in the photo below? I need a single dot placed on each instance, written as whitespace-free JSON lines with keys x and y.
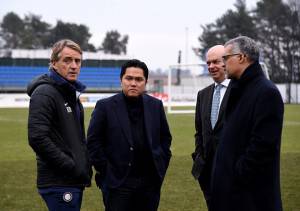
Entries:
{"x":224,"y":83}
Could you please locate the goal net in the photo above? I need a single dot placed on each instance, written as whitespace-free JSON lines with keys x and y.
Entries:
{"x":184,"y":82}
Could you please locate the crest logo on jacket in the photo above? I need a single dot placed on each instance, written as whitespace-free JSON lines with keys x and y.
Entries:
{"x":67,"y":197}
{"x":69,"y":109}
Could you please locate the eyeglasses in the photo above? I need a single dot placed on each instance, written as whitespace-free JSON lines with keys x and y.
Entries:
{"x":226,"y":57}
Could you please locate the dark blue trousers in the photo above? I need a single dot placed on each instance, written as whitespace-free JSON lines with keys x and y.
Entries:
{"x":62,"y":198}
{"x":135,"y":194}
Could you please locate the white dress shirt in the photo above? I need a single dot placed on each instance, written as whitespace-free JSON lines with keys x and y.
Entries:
{"x":225,"y":84}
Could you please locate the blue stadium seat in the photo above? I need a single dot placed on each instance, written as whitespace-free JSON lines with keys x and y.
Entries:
{"x":95,"y":78}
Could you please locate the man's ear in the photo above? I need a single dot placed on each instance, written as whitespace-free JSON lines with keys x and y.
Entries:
{"x":53,"y":64}
{"x":243,"y":58}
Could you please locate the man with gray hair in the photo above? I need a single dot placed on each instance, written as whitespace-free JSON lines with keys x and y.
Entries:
{"x":246,"y":166}
{"x":56,"y":130}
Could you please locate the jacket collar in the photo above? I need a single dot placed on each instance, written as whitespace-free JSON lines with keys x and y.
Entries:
{"x":122,"y":114}
{"x":238,"y":86}
{"x":62,"y":82}
{"x":251,"y":72}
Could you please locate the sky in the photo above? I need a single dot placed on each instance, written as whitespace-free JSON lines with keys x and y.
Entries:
{"x":157,"y":29}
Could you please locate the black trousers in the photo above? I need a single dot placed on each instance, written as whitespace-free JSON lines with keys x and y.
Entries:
{"x":135,"y":194}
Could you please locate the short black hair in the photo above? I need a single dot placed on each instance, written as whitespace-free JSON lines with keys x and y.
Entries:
{"x":134,"y":63}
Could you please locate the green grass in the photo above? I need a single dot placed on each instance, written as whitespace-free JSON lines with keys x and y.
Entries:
{"x":180,"y":192}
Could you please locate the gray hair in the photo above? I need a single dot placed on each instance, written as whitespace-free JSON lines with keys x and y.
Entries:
{"x":245,"y":45}
{"x":59,"y":46}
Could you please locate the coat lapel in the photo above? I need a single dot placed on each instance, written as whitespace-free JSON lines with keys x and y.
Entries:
{"x":147,"y":118}
{"x":208,"y":108}
{"x":223,"y":104}
{"x":122,"y":115}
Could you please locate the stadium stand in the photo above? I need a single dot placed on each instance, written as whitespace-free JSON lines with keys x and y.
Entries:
{"x":99,"y":72}
{"x":16,"y":78}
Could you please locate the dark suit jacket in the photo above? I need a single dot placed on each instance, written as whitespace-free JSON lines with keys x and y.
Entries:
{"x":206,"y":138}
{"x":246,"y":170}
{"x":110,"y":141}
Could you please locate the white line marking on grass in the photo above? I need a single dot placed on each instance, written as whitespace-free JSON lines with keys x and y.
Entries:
{"x":5,"y":119}
{"x":287,"y":123}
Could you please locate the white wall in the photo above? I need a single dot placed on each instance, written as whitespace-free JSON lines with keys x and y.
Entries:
{"x":180,"y":94}
{"x":295,"y":92}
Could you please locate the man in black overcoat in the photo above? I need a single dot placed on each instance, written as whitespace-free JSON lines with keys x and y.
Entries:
{"x":246,"y":167}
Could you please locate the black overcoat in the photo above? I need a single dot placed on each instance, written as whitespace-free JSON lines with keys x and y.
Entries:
{"x":246,"y":167}
{"x":206,"y":137}
{"x":110,"y":140}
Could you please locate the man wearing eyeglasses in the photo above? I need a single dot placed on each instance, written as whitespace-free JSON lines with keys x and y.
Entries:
{"x":211,"y":102}
{"x":246,"y":167}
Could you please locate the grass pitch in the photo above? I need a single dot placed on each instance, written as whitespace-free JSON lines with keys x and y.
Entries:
{"x":180,"y":192}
